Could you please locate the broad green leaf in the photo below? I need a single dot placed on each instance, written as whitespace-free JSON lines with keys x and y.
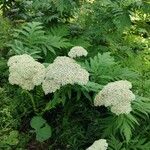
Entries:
{"x":44,"y":133}
{"x":37,"y":122}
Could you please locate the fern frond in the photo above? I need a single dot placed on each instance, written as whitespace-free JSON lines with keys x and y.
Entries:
{"x":122,"y":124}
{"x":114,"y":144}
{"x":60,"y":31}
{"x":80,"y":41}
{"x":104,"y":69}
{"x":63,"y":5}
{"x":139,"y":143}
{"x":101,"y":60}
{"x":33,"y":40}
{"x":58,"y":42}
{"x":141,"y":107}
{"x":44,"y":4}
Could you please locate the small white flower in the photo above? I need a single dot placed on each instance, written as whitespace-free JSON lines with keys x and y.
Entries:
{"x":100,"y":144}
{"x":25,"y":71}
{"x":16,"y":59}
{"x":63,"y":71}
{"x":115,"y":94}
{"x":121,"y":108}
{"x":50,"y":86}
{"x":77,"y":51}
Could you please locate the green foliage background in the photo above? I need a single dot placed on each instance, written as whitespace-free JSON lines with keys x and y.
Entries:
{"x":116,"y":34}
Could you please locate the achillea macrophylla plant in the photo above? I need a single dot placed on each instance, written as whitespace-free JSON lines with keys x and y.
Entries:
{"x":100,"y":144}
{"x":117,"y":95}
{"x":25,"y":71}
{"x":77,"y":51}
{"x":28,"y":73}
{"x":64,"y":71}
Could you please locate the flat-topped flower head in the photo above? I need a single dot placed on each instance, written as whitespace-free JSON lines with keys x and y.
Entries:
{"x":25,"y":71}
{"x":19,"y":58}
{"x":115,"y":94}
{"x":100,"y":144}
{"x":77,"y":51}
{"x":63,"y":71}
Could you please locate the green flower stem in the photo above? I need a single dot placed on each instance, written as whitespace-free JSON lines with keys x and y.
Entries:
{"x":32,"y":101}
{"x":51,"y":104}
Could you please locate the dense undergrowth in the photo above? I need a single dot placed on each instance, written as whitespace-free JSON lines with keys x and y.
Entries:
{"x":116,"y":35}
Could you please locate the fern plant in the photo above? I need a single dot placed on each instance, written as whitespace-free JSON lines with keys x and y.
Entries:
{"x":49,"y":11}
{"x":33,"y":40}
{"x":104,"y":68}
{"x":5,"y":30}
{"x":136,"y":143}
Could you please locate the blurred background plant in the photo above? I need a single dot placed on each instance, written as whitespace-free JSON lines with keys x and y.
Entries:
{"x":116,"y":34}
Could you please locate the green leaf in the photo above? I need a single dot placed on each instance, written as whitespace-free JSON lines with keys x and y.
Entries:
{"x":44,"y":133}
{"x":42,"y":129}
{"x":37,"y":122}
{"x":11,"y":139}
{"x":53,"y":103}
{"x":32,"y":39}
{"x":126,"y":130}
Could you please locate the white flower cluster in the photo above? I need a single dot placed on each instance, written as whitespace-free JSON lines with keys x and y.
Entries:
{"x":77,"y":51}
{"x":117,"y":95}
{"x":25,"y":71}
{"x":63,"y":71}
{"x":100,"y":144}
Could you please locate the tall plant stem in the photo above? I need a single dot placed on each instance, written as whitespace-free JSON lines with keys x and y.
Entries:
{"x":32,"y":101}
